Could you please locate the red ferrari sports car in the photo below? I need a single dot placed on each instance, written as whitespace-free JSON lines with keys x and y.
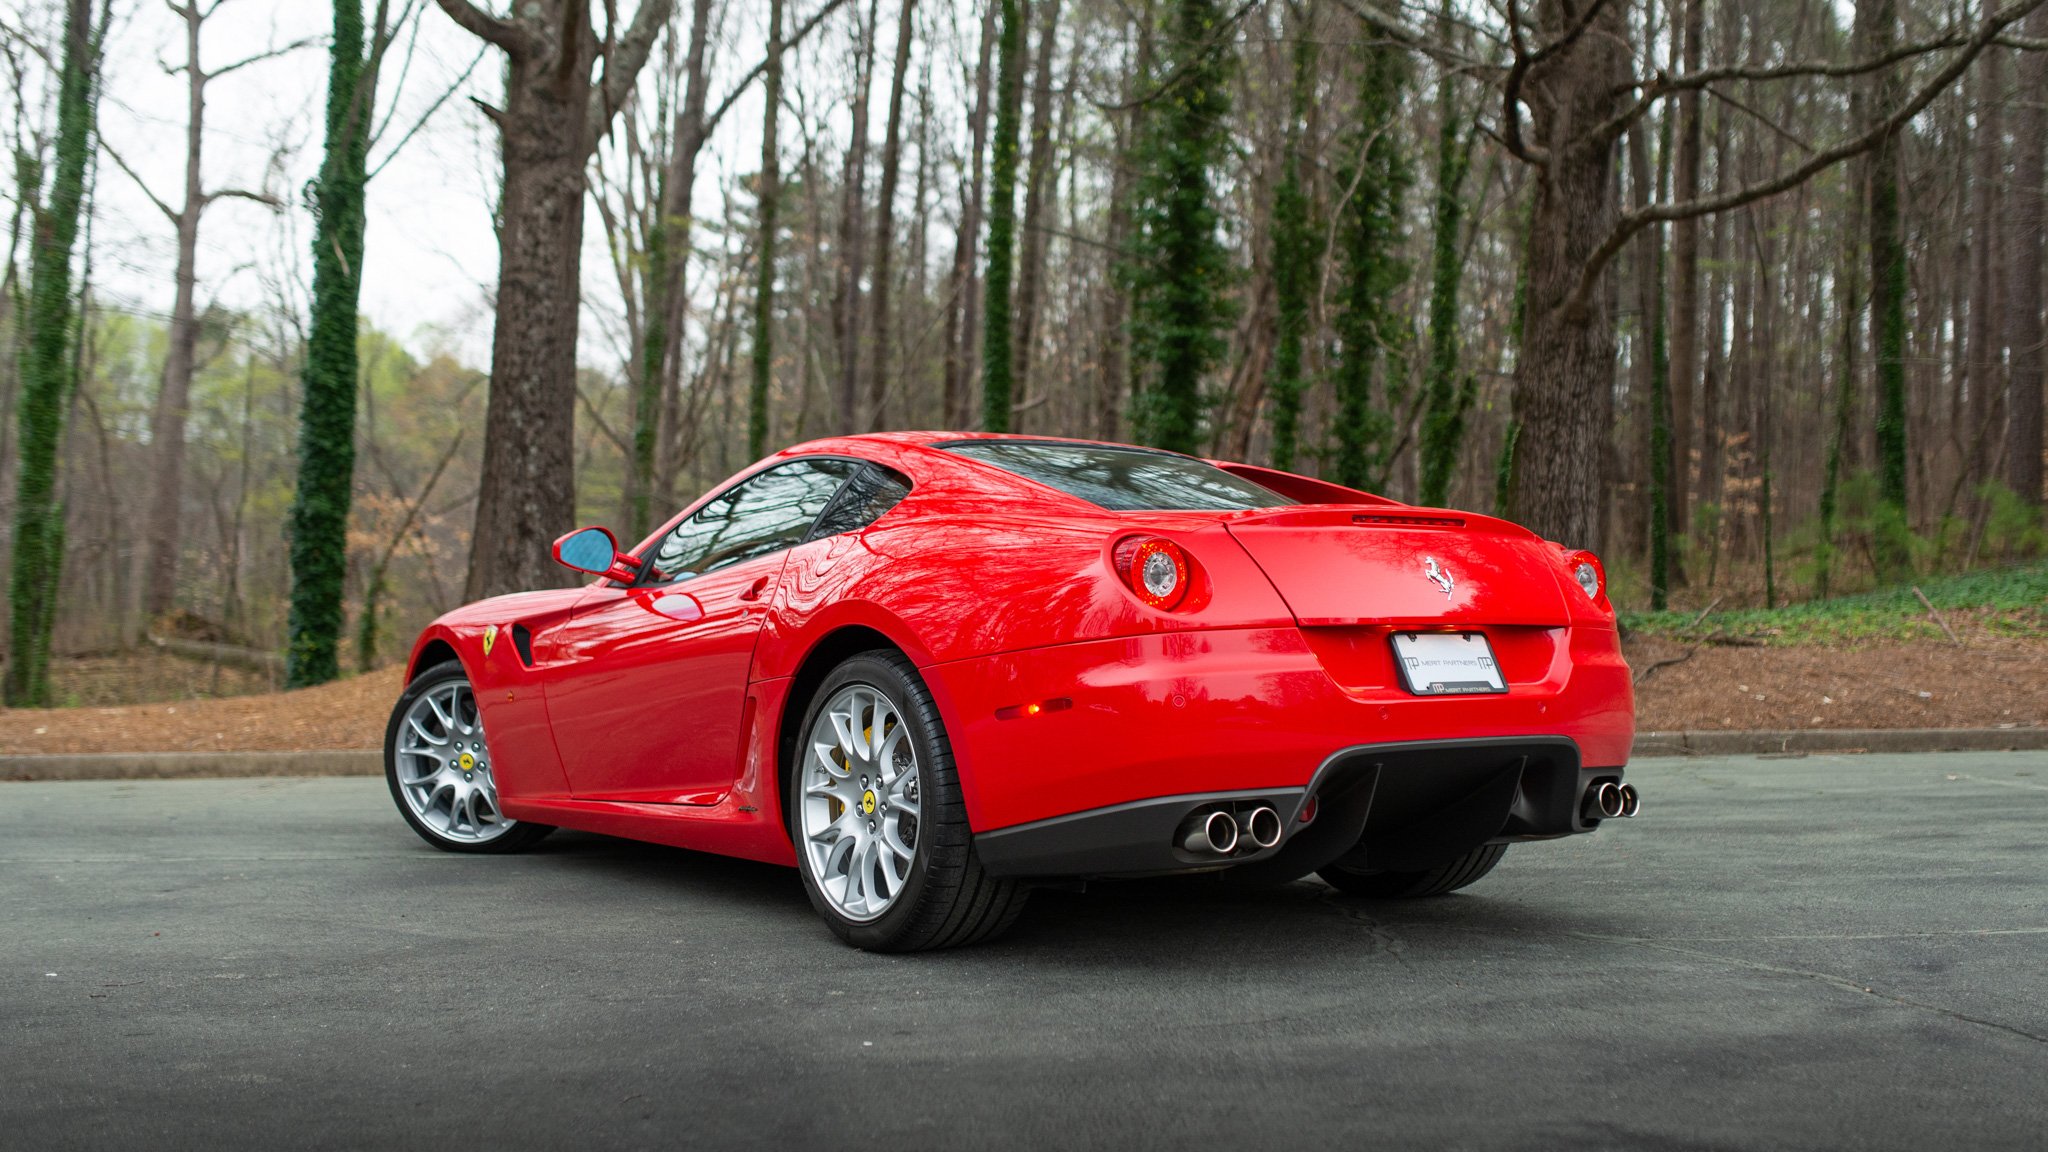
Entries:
{"x":932,"y":669}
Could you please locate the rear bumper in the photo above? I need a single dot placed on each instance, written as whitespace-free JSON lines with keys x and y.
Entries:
{"x":1153,"y":722}
{"x":1403,"y":806}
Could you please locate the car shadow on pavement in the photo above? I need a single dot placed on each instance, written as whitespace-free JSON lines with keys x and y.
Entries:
{"x":1134,"y":923}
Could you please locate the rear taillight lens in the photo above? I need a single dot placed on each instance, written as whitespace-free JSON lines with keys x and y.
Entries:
{"x":1157,"y":571}
{"x":1587,"y":573}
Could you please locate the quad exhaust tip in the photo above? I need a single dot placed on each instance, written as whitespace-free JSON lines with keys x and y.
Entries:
{"x":1217,"y":833}
{"x":1262,"y":827}
{"x":1608,"y":801}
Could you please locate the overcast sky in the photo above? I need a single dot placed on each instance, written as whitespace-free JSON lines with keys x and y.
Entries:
{"x":432,"y":258}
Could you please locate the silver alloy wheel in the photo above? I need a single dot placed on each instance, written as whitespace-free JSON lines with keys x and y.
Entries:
{"x":860,"y":802}
{"x":444,"y":769}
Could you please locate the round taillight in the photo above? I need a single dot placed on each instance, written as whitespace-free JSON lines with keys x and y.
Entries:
{"x":1587,"y":573}
{"x":1158,"y":573}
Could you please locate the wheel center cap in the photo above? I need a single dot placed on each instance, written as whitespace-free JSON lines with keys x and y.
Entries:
{"x":867,"y":802}
{"x":468,"y":762}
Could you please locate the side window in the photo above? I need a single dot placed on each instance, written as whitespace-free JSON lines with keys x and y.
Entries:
{"x":768,"y":512}
{"x":865,"y":498}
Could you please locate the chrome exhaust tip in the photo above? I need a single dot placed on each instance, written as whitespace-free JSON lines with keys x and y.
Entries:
{"x":1262,"y":827}
{"x":1603,"y":802}
{"x":1215,"y":832}
{"x":1631,"y":800}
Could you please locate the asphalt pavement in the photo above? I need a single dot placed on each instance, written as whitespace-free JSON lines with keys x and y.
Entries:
{"x":1825,"y":952}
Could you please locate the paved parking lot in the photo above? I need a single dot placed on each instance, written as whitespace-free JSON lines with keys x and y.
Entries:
{"x":1826,"y":952}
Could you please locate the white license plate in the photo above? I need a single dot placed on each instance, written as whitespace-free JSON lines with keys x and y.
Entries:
{"x":1447,"y":663}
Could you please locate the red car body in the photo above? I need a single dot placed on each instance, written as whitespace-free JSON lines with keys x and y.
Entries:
{"x":669,"y":714}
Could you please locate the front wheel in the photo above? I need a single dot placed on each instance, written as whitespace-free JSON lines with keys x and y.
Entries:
{"x":439,"y":768}
{"x":877,"y":817}
{"x":1409,"y":885}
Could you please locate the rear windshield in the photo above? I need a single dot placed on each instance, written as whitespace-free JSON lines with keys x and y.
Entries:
{"x":1123,"y":479}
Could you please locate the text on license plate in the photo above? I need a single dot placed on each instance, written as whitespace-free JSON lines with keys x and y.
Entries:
{"x":1447,"y":663}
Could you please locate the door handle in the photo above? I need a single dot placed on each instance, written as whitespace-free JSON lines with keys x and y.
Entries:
{"x":755,"y":589}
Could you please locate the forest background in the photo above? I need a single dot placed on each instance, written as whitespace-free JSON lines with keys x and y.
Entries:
{"x":319,"y":320}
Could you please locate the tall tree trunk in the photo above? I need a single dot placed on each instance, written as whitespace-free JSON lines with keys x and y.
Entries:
{"x":657,"y":397}
{"x":1002,"y":218}
{"x":553,"y":115}
{"x":852,"y":245}
{"x":2024,"y":333}
{"x":1685,"y":274}
{"x":1037,"y":181}
{"x":964,"y":283}
{"x":1888,"y":300}
{"x":1983,"y":346}
{"x":327,"y":416}
{"x":885,"y":219}
{"x":164,"y":528}
{"x":1295,"y":249}
{"x":1371,"y":340}
{"x":47,"y":352}
{"x":1114,"y":334}
{"x":768,"y":192}
{"x":1450,"y":394}
{"x":1564,"y":372}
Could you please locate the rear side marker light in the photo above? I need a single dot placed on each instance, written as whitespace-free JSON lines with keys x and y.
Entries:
{"x":1156,"y":570}
{"x":1019,"y":711}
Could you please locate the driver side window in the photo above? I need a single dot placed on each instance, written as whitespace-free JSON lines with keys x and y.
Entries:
{"x":768,"y":512}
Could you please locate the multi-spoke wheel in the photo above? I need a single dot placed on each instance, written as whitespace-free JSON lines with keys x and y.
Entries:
{"x":439,"y":768}
{"x":878,"y":820}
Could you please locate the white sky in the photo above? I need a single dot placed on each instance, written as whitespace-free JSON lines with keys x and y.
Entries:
{"x":431,"y":256}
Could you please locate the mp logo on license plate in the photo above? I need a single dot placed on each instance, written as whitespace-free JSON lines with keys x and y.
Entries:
{"x":1447,"y":663}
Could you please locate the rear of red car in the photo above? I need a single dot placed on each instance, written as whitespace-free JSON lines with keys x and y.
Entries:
{"x":1292,"y":687}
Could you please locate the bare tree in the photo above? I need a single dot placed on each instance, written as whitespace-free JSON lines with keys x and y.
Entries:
{"x":157,"y":579}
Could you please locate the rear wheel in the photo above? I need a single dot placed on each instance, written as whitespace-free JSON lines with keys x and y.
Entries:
{"x":1409,"y":885}
{"x":877,"y":817}
{"x":439,"y":768}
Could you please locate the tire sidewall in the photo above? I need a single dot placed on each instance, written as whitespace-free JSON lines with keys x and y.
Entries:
{"x":515,"y":836}
{"x":910,"y":699}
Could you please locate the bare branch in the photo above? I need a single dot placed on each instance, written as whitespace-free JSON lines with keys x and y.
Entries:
{"x":513,"y":40}
{"x":792,"y":40}
{"x":622,"y":64}
{"x":268,"y":54}
{"x":429,"y":114}
{"x":115,"y":155}
{"x":1636,"y":220}
{"x":263,"y":198}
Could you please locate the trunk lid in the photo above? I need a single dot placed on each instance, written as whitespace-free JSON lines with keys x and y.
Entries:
{"x":1396,"y":565}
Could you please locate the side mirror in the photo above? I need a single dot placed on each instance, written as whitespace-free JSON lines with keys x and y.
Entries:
{"x":595,"y":551}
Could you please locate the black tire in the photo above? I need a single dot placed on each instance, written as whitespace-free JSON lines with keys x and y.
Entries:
{"x":519,"y":836}
{"x":947,"y":900}
{"x":1411,"y":885}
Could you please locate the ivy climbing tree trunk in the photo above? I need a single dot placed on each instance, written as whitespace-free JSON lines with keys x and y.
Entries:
{"x":327,"y":416}
{"x":1450,"y":395}
{"x":46,"y":371}
{"x":1179,"y":317}
{"x":767,"y":191}
{"x":1888,"y":303}
{"x":996,"y":363}
{"x":1372,"y":339}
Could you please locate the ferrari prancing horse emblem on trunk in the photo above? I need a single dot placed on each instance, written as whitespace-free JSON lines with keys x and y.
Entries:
{"x":1437,"y":576}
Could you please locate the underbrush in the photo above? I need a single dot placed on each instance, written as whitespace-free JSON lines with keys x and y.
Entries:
{"x":2011,"y":601}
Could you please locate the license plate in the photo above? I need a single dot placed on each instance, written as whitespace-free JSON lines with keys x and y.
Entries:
{"x":1447,"y":663}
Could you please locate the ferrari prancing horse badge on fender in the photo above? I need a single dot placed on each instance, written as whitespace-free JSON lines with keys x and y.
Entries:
{"x":490,"y":637}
